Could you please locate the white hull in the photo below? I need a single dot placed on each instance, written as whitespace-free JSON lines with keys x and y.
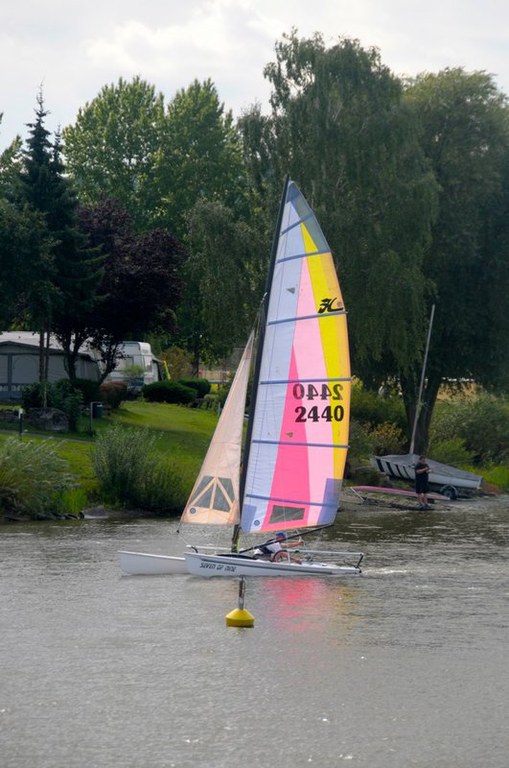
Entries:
{"x":145,"y":564}
{"x":221,"y":565}
{"x":441,"y":476}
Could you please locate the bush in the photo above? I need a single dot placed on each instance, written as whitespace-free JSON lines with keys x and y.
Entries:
{"x":113,"y":393}
{"x":369,"y":407}
{"x":169,"y":392}
{"x":360,"y":441}
{"x":131,"y":475}
{"x":32,"y":477}
{"x":89,"y":390}
{"x":452,"y":451}
{"x":202,"y":386}
{"x":481,"y":422}
{"x":67,"y":399}
{"x":387,"y":439}
{"x":60,"y":394}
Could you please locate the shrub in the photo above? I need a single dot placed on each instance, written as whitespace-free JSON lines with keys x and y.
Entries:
{"x":369,"y":407}
{"x":387,"y":439}
{"x":202,"y":386}
{"x":89,"y":390}
{"x":60,"y":394}
{"x":482,"y":422}
{"x":169,"y":392}
{"x":32,"y":477}
{"x":498,"y":476}
{"x":360,"y":441}
{"x":452,"y":451}
{"x":131,"y":475}
{"x":178,"y":362}
{"x":113,"y":393}
{"x":67,"y":399}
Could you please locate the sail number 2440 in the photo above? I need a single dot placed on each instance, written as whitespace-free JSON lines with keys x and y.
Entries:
{"x":319,"y":410}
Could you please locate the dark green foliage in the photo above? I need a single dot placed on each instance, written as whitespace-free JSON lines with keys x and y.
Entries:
{"x":386,"y":438}
{"x":141,"y":282}
{"x":450,"y":451}
{"x":360,"y":442}
{"x":202,"y":386}
{"x":61,"y":395}
{"x":89,"y":390}
{"x":169,"y":392}
{"x":113,"y":393}
{"x":464,"y":121}
{"x":369,"y":407}
{"x":482,"y":423}
{"x":340,"y":128}
{"x":32,"y":395}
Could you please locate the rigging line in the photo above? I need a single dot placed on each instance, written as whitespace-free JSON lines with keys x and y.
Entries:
{"x":297,"y":223}
{"x":331,"y":504}
{"x":318,"y":380}
{"x":303,"y":256}
{"x":317,"y":316}
{"x":296,"y":445}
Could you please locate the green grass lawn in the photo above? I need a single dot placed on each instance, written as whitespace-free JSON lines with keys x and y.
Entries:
{"x":183,"y":437}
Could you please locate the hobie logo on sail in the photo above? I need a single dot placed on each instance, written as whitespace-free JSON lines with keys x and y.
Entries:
{"x":330,"y":305}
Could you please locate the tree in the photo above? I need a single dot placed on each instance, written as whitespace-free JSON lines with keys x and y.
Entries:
{"x":141,"y":282}
{"x":113,"y":149}
{"x":23,"y":243}
{"x":67,"y":273}
{"x":202,"y":157}
{"x":10,"y":160}
{"x":340,"y":127}
{"x":465,"y":134}
{"x":220,"y":281}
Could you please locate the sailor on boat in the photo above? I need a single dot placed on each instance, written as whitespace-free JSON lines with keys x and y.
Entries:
{"x":276,"y":550}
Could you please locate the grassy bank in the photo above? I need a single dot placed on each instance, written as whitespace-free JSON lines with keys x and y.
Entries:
{"x":182,"y":436}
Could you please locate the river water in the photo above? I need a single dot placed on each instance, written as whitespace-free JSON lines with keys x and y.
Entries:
{"x":405,"y":666}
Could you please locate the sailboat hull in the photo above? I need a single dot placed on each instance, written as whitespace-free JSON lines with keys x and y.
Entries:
{"x":220,"y":565}
{"x":145,"y":564}
{"x":446,"y":479}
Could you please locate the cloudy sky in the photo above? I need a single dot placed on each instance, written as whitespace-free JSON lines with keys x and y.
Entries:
{"x":73,"y":48}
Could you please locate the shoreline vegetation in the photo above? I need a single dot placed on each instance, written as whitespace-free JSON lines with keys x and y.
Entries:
{"x":139,"y":460}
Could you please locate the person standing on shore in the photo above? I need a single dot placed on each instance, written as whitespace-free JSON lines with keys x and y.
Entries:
{"x":422,"y":471}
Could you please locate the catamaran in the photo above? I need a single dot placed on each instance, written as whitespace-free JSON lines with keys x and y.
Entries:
{"x":297,"y":433}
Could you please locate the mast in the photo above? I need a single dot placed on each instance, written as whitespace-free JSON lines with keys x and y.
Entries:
{"x":258,"y":359}
{"x":421,"y":385}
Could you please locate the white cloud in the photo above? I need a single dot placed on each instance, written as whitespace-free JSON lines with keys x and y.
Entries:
{"x":76,"y":48}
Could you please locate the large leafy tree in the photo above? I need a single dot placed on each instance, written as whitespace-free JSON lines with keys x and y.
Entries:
{"x":222,"y":280}
{"x":141,"y":282}
{"x":465,"y":134}
{"x":340,"y":128}
{"x":114,"y":147}
{"x":201,"y":159}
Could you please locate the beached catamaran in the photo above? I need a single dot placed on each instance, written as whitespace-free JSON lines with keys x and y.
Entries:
{"x":297,"y":434}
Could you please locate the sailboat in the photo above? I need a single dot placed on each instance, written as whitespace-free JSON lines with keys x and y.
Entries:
{"x":297,"y":433}
{"x":449,"y":481}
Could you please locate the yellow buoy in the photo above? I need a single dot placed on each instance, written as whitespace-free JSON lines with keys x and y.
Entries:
{"x":240,"y":617}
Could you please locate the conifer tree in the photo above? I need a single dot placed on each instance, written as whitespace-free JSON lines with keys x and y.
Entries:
{"x":68,"y":272}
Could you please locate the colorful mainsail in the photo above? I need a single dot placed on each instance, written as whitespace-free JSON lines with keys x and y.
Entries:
{"x":299,"y":433}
